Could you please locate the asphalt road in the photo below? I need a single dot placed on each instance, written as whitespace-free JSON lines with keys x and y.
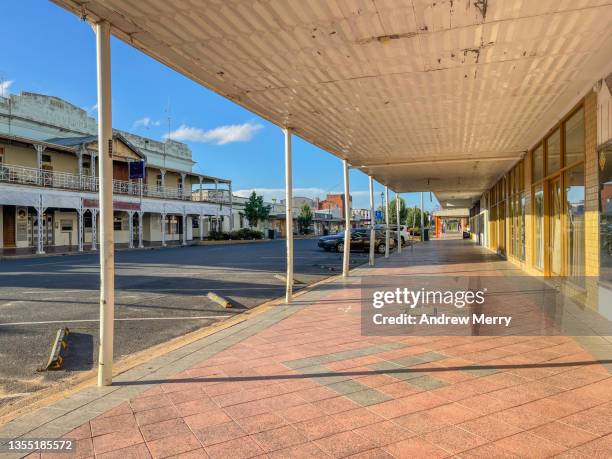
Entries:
{"x":161,"y":293}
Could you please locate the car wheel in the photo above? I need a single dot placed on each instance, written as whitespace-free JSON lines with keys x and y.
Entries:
{"x":381,"y":249}
{"x":340,"y":247}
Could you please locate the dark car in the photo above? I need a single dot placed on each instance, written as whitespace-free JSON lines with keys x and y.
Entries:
{"x":360,"y":241}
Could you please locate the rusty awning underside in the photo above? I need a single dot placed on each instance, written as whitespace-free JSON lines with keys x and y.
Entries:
{"x":423,"y":95}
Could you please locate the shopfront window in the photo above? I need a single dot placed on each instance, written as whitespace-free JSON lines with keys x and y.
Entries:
{"x":538,"y":164}
{"x":605,"y":203}
{"x":538,"y":198}
{"x":574,"y":138}
{"x":574,"y":217}
{"x":553,"y":152}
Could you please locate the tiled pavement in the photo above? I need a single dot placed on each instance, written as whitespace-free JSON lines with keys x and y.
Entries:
{"x":301,"y":381}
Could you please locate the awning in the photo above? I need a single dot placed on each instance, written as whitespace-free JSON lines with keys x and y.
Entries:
{"x":437,"y":96}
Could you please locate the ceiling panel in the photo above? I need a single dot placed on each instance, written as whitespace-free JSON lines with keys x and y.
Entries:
{"x":385,"y":82}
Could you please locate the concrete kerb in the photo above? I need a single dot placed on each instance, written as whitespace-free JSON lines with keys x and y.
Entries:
{"x":126,"y":370}
{"x":194,"y":242}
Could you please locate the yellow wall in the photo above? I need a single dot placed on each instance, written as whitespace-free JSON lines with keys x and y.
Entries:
{"x":589,"y":295}
{"x":64,"y":162}
{"x":19,"y":156}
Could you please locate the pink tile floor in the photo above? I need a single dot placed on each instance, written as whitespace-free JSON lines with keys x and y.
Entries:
{"x":548,"y":399}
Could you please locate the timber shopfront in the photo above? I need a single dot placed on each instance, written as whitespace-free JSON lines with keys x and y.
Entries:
{"x":550,"y":213}
{"x":558,"y":190}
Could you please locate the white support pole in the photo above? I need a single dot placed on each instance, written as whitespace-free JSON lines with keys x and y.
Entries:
{"x":201,"y":225}
{"x":80,"y":166}
{"x":218,"y":226}
{"x":39,"y":152}
{"x":80,"y":229}
{"x":422,"y":219}
{"x":184,"y":228}
{"x":372,"y":230}
{"x":131,"y":229}
{"x":200,"y":189}
{"x":163,"y":229}
{"x":231,"y":207}
{"x":140,"y":218}
{"x":397,"y":217}
{"x":289,"y":214}
{"x":347,"y":221}
{"x":183,"y":183}
{"x":92,"y":168}
{"x":387,"y":234}
{"x":107,"y":261}
{"x":40,"y":216}
{"x":94,"y":229}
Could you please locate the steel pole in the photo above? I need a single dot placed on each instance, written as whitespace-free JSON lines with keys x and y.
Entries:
{"x":347,"y":222}
{"x":372,"y":230}
{"x":289,"y":215}
{"x":422,"y":219}
{"x":387,"y":239}
{"x":107,"y":262}
{"x":397,"y":216}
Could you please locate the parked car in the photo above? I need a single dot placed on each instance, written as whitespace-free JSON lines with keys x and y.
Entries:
{"x":360,"y":241}
{"x":404,"y":233}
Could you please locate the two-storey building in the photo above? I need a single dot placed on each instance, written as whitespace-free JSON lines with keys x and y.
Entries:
{"x":49,"y":184}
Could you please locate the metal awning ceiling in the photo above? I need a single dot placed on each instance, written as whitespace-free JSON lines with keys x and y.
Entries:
{"x":440,"y":95}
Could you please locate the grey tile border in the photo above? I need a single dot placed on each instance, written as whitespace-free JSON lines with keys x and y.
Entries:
{"x":426,"y":382}
{"x":431,"y":356}
{"x":408,"y":361}
{"x":348,"y":387}
{"x":342,"y":355}
{"x":368,"y":397}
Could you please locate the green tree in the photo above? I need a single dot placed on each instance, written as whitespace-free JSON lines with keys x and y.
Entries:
{"x":393,"y":212}
{"x":413,"y":217}
{"x":255,"y":210}
{"x":304,"y":218}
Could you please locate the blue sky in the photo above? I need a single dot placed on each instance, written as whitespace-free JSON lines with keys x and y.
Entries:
{"x":48,"y":50}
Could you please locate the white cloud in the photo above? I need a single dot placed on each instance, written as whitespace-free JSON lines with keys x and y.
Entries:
{"x":5,"y":85}
{"x":146,"y":122}
{"x":220,"y":135}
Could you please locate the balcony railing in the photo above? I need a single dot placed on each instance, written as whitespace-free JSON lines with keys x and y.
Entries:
{"x":64,"y":180}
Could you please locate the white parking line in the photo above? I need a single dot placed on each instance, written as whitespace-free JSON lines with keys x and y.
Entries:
{"x":124,"y":319}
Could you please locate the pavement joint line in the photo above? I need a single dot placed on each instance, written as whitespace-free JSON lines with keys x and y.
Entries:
{"x":116,"y":320}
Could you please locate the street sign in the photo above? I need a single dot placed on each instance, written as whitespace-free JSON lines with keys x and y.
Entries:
{"x":136,"y":169}
{"x":378,"y":216}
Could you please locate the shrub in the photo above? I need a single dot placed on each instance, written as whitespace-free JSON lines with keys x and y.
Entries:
{"x":218,"y":236}
{"x":256,"y":234}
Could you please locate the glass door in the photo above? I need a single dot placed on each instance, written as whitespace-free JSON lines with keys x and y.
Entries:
{"x":555,"y":249}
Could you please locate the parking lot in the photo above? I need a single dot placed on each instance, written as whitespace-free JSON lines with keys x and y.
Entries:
{"x":160,"y":294}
